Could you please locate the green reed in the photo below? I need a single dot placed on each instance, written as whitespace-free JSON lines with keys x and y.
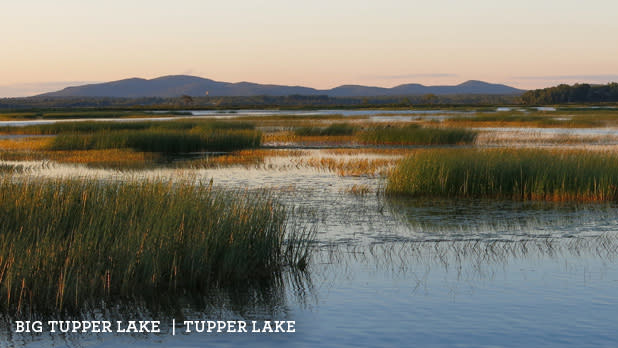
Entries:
{"x":414,"y":134}
{"x":100,"y":126}
{"x":160,"y":140}
{"x":333,"y":129}
{"x":68,"y":245}
{"x":524,"y":174}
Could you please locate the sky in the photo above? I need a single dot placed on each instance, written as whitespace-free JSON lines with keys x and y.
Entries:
{"x":47,"y":45}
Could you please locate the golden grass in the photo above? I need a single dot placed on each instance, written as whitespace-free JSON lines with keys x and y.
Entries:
{"x":105,"y":158}
{"x":522,"y":174}
{"x":370,"y":150}
{"x":288,"y":137}
{"x":24,"y":144}
{"x":245,"y":158}
{"x":113,"y":158}
{"x":279,"y":137}
{"x":351,"y":167}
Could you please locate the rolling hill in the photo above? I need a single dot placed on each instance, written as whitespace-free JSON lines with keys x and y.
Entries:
{"x":178,"y":85}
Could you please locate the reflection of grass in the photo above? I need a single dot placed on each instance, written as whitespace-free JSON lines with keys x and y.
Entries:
{"x":518,"y":174}
{"x":68,"y":244}
{"x":413,"y":134}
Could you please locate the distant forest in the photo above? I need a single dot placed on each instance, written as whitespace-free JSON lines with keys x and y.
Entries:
{"x":578,"y":93}
{"x":253,"y":102}
{"x":562,"y":94}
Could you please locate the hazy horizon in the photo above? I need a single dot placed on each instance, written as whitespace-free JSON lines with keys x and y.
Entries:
{"x":321,"y":44}
{"x":32,"y":89}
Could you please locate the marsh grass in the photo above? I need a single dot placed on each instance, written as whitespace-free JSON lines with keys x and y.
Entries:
{"x":160,"y":140}
{"x":331,"y":130}
{"x":289,"y":138}
{"x":67,"y":245}
{"x":413,"y":134}
{"x":120,"y":159}
{"x":370,"y":151}
{"x":525,"y":174}
{"x":368,"y":167}
{"x":250,"y":158}
{"x":25,"y":144}
{"x":541,"y":120}
{"x":98,"y":126}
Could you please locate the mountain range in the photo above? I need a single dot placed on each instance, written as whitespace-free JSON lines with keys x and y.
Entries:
{"x":179,"y":85}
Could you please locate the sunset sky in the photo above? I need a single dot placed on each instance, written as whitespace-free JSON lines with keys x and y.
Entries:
{"x":47,"y":45}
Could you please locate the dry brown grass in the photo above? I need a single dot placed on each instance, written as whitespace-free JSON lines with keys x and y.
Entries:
{"x":245,"y":158}
{"x":116,"y":158}
{"x":34,"y":150}
{"x":369,"y":150}
{"x":287,"y":137}
{"x":351,"y":167}
{"x":24,"y":144}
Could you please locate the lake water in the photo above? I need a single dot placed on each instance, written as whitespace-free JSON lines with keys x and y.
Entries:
{"x":402,"y":272}
{"x":374,"y":115}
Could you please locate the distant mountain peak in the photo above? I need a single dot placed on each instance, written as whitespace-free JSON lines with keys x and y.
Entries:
{"x":474,"y":83}
{"x":177,"y":85}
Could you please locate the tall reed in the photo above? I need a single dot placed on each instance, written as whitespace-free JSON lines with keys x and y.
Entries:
{"x":98,"y":126}
{"x":333,"y":129}
{"x":525,"y":174}
{"x":414,"y":134}
{"x":160,"y":140}
{"x":67,"y":245}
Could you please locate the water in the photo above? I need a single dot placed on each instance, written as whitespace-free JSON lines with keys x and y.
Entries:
{"x":404,"y":272}
{"x":380,"y":115}
{"x":372,"y":115}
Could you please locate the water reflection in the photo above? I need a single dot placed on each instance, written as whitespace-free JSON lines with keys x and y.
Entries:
{"x":273,"y":300}
{"x":461,"y":219}
{"x":347,"y":282}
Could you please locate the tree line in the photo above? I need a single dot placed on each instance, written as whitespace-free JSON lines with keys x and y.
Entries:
{"x":577,"y":93}
{"x":253,"y":102}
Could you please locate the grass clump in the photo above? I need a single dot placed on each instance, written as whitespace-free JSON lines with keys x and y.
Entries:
{"x":99,"y":126}
{"x":332,"y":130}
{"x":527,"y":174}
{"x":160,"y":140}
{"x":414,"y":134}
{"x":67,"y":245}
